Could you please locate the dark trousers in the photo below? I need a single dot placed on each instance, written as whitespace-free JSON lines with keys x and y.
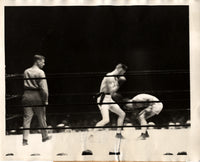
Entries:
{"x":33,"y":97}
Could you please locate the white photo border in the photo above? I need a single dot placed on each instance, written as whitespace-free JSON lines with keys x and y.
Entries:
{"x":194,"y":25}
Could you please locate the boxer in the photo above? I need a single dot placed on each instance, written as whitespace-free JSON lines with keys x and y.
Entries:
{"x":108,"y":89}
{"x":147,"y":107}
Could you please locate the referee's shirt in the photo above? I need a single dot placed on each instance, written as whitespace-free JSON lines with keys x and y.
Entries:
{"x":36,"y":84}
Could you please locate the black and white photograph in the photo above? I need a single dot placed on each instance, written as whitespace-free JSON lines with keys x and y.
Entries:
{"x":97,"y":83}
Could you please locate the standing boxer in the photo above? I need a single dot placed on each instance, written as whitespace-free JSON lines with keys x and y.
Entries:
{"x":35,"y":93}
{"x":145,"y":110}
{"x":109,"y":86}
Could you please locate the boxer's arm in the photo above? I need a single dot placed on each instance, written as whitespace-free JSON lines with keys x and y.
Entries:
{"x":121,"y":80}
{"x":142,"y":103}
{"x":118,"y":84}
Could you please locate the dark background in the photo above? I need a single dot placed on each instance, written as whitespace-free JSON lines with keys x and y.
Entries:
{"x":94,"y":39}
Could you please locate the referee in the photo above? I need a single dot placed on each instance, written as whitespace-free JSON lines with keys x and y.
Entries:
{"x":35,"y":93}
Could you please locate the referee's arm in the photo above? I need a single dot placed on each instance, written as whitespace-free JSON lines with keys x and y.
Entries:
{"x":44,"y":88}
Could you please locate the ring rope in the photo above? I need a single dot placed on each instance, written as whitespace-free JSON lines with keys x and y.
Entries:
{"x":100,"y":74}
{"x":88,"y":112}
{"x":105,"y":103}
{"x":14,"y":116}
{"x":12,"y":96}
{"x":97,"y":112}
{"x":128,"y":92}
{"x":97,"y":127}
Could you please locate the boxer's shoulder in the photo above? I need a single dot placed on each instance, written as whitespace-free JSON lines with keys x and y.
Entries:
{"x":109,"y":74}
{"x":145,"y":97}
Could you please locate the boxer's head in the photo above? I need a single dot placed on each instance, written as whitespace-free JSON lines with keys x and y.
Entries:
{"x":39,"y":61}
{"x":121,"y":68}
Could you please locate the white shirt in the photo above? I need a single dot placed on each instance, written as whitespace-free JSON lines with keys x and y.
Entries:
{"x":40,"y":84}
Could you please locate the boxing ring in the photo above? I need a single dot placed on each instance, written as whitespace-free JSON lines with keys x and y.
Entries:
{"x":70,"y":145}
{"x":167,"y":142}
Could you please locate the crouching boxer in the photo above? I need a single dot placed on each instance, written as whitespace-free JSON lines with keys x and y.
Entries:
{"x":147,"y":107}
{"x":109,"y":86}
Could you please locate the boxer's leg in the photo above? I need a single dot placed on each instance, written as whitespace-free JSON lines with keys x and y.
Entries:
{"x":121,"y":115}
{"x":104,"y":109}
{"x":157,"y":108}
{"x":142,"y":116}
